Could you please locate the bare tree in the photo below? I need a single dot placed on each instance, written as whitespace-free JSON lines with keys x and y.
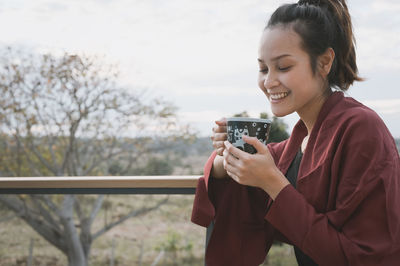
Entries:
{"x":67,"y":116}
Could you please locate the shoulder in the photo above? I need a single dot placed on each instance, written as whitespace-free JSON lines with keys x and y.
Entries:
{"x":356,"y":128}
{"x":349,"y":116}
{"x":351,"y":127}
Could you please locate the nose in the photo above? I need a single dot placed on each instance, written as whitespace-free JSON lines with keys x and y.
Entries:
{"x":270,"y":81}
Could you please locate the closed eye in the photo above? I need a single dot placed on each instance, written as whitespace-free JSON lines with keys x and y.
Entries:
{"x":284,"y":68}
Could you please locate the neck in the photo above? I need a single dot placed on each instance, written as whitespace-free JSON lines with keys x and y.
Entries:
{"x":309,"y":113}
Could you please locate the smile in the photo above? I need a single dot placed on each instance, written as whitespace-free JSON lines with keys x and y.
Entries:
{"x":278,"y":96}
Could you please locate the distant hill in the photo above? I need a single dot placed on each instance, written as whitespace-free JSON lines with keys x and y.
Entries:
{"x":176,"y":157}
{"x":195,"y":147}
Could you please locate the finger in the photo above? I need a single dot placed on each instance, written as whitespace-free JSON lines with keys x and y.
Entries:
{"x":232,"y":173}
{"x":218,"y":144}
{"x":229,"y":168}
{"x":233,"y":176}
{"x":221,"y":122}
{"x":220,"y":129}
{"x":239,"y":154}
{"x":256,"y":143}
{"x":230,"y":159}
{"x":220,"y":136}
{"x":221,"y":125}
{"x":225,"y":153}
{"x":220,"y":151}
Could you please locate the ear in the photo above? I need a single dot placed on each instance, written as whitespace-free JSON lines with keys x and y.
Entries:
{"x":325,"y":61}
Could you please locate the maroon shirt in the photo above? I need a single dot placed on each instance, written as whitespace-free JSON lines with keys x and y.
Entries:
{"x":345,"y":210}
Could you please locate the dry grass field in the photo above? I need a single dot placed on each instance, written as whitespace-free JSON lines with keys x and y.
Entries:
{"x":138,"y":241}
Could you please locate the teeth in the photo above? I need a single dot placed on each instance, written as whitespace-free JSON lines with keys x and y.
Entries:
{"x":277,"y":96}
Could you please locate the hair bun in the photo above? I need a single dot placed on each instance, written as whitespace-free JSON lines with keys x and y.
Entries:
{"x":309,"y":2}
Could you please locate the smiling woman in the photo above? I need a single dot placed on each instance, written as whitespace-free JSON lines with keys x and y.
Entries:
{"x":332,"y":190}
{"x":285,"y":75}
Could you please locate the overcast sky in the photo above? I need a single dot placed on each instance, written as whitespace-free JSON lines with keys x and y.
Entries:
{"x":201,"y":55}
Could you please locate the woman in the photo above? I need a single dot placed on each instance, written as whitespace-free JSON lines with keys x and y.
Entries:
{"x":332,"y":190}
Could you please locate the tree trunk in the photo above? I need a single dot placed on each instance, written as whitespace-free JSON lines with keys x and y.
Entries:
{"x":75,"y":252}
{"x":66,"y":240}
{"x":76,"y":259}
{"x":55,"y":223}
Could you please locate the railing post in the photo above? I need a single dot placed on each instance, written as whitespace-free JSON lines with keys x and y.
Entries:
{"x":208,"y":236}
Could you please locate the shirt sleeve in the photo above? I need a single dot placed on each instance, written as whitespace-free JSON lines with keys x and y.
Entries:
{"x":363,"y":227}
{"x":241,"y":235}
{"x":203,"y":210}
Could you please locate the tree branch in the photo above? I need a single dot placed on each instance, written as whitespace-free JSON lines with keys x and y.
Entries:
{"x":96,"y":208}
{"x":46,"y":214}
{"x":36,"y":152}
{"x":131,"y":214}
{"x":19,"y":207}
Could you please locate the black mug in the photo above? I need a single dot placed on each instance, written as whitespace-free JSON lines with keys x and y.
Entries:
{"x":252,"y":127}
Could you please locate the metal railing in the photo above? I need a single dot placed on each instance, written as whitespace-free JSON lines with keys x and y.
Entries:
{"x":102,"y":185}
{"x":99,"y":185}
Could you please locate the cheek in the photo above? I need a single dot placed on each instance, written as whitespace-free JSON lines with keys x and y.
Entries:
{"x":295,"y":80}
{"x":260,"y":81}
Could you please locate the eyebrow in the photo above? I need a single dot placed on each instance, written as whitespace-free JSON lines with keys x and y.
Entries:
{"x":275,"y":58}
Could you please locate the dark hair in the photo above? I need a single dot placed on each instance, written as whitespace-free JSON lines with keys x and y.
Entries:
{"x":322,"y":24}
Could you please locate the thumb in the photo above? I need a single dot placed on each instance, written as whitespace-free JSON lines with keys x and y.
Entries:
{"x":258,"y":145}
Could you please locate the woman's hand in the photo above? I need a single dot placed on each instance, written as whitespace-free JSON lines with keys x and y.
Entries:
{"x":219,"y":136}
{"x":257,"y":170}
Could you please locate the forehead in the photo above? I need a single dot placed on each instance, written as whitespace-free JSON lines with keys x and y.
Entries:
{"x":278,"y":40}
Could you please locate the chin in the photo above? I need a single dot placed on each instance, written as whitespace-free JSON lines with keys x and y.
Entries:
{"x":278,"y":112}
